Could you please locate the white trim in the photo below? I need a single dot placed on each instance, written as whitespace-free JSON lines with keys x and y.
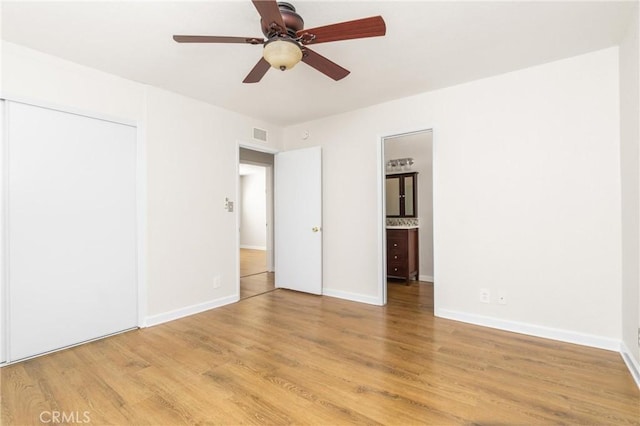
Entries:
{"x":243,"y":246}
{"x":67,"y":109}
{"x":236,"y":214}
{"x":434,"y":213}
{"x":255,"y":147}
{"x":632,"y":364}
{"x":354,"y":297}
{"x":189,"y":310}
{"x":382,"y":223}
{"x":4,"y":226}
{"x":141,"y":210}
{"x":428,"y":278}
{"x":270,"y":217}
{"x":567,"y":336}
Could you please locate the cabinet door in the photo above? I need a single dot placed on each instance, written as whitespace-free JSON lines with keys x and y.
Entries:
{"x":401,"y":194}
{"x":393,"y":196}
{"x":408,"y":183}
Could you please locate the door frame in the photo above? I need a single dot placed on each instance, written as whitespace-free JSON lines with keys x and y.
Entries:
{"x":381,"y":211}
{"x":270,"y":182}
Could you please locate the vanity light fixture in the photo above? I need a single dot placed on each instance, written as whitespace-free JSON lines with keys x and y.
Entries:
{"x":399,"y":164}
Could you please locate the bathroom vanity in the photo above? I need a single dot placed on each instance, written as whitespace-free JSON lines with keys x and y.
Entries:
{"x":402,"y":252}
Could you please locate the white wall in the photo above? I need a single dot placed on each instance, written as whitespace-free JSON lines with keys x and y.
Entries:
{"x":45,"y":78}
{"x":192,"y":169}
{"x":630,"y":174}
{"x":253,"y":231}
{"x":419,"y":147}
{"x":526,"y":198}
{"x":191,"y":153}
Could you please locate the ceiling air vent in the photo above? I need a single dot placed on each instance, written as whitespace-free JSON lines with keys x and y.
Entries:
{"x":260,"y":134}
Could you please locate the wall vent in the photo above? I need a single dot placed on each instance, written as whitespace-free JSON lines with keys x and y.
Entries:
{"x":260,"y":134}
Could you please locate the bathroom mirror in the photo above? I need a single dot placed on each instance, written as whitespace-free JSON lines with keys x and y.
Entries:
{"x":401,"y":191}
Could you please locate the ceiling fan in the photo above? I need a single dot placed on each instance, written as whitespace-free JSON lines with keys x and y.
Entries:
{"x":286,"y":39}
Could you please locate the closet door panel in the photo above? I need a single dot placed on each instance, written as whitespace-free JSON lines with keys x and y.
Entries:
{"x":71,"y":234}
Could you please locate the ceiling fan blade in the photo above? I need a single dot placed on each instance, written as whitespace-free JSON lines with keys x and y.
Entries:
{"x":360,"y":28}
{"x":257,"y":72}
{"x":270,"y":13}
{"x":324,"y":65}
{"x":216,"y":39}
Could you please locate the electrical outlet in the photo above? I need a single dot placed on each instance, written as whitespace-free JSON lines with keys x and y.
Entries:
{"x":502,"y":298}
{"x":216,"y":281}
{"x":485,"y":295}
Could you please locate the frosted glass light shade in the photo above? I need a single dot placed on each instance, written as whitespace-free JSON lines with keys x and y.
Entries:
{"x":282,"y":54}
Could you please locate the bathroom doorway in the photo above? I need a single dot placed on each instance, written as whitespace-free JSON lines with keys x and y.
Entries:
{"x":407,"y":212}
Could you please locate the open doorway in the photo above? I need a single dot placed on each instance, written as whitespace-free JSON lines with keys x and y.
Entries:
{"x":253,"y":219}
{"x":255,"y":208}
{"x":407,"y":206}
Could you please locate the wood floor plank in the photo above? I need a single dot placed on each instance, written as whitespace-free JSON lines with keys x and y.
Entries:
{"x":254,"y":278}
{"x":285,"y":357}
{"x":252,"y":262}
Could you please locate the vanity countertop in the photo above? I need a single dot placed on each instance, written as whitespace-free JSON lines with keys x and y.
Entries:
{"x":403,"y":227}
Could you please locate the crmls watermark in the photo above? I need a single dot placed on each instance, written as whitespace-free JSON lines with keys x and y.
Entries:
{"x":67,"y":417}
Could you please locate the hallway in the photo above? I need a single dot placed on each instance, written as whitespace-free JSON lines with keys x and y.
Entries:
{"x":254,"y":278}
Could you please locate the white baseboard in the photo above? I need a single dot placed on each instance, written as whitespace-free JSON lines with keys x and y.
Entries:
{"x":428,"y":278}
{"x":263,"y":248}
{"x":189,"y":310}
{"x":632,"y":364}
{"x":354,"y":297}
{"x":567,"y":336}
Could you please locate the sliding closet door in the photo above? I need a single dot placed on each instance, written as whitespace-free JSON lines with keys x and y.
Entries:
{"x":71,"y":234}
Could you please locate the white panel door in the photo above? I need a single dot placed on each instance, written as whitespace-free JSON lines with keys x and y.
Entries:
{"x":71,"y":233}
{"x":298,"y":220}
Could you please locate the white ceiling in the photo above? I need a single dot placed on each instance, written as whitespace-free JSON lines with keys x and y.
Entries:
{"x":428,"y":45}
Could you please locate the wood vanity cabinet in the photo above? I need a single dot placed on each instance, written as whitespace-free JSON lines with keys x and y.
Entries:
{"x":402,"y":253}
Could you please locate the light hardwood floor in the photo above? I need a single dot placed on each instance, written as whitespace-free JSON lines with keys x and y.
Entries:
{"x":291,"y":358}
{"x":256,"y":284}
{"x":254,"y":278}
{"x":252,"y":262}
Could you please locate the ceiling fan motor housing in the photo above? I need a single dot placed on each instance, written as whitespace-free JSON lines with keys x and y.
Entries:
{"x":292,"y":21}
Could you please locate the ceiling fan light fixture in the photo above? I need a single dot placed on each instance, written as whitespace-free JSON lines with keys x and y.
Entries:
{"x":282,"y":54}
